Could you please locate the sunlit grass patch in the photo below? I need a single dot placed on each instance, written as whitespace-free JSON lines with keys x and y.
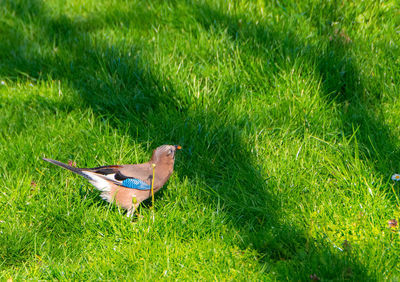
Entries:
{"x":286,"y":112}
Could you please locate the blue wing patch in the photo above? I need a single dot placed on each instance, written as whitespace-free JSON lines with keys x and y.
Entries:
{"x":135,"y":184}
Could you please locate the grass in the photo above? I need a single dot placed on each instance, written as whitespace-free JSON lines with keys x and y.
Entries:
{"x":288,"y":113}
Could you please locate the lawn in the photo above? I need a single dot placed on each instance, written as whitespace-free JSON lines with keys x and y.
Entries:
{"x":288,"y":113}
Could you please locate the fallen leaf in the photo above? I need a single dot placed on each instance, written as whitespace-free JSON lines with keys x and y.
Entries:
{"x":314,"y":277}
{"x":392,"y":223}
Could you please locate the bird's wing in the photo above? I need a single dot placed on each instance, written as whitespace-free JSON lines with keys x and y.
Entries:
{"x":119,"y":173}
{"x":142,"y":172}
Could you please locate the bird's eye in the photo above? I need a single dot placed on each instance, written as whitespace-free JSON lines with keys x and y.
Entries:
{"x":170,"y":152}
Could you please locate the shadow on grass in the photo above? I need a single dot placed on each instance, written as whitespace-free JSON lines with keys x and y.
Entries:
{"x":114,"y":81}
{"x":336,"y":59}
{"x":342,"y":82}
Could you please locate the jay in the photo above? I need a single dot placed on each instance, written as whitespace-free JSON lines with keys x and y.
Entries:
{"x":129,"y":185}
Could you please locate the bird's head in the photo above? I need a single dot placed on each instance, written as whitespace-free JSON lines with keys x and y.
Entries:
{"x":165,"y":153}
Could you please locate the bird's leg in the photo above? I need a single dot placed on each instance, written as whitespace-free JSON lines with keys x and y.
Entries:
{"x":135,"y":204}
{"x":130,"y":212}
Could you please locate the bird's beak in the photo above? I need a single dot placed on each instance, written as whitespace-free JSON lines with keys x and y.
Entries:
{"x":178,"y":147}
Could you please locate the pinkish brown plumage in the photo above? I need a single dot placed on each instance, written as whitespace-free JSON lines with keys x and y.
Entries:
{"x":112,"y":180}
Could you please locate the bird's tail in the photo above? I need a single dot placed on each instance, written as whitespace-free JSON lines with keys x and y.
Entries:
{"x":71,"y":168}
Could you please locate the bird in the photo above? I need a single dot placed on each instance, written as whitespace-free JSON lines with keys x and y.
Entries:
{"x":129,"y":185}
